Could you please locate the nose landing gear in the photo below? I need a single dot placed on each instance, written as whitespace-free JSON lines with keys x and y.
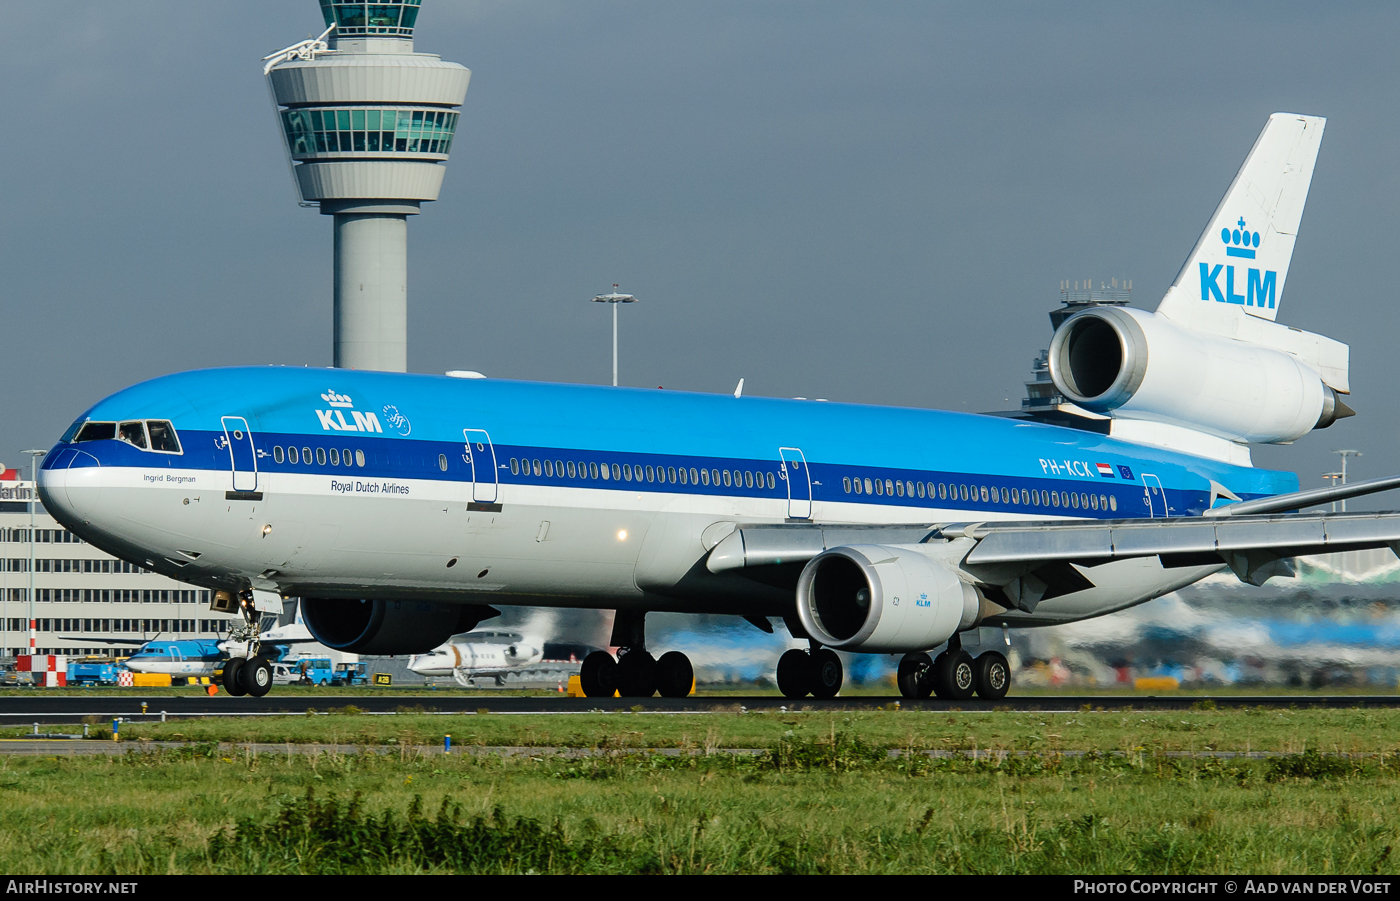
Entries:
{"x":250,"y":674}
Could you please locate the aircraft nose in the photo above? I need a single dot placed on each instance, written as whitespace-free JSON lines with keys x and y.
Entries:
{"x":67,"y":483}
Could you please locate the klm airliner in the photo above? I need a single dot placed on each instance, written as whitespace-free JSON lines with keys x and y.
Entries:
{"x":400,"y":508}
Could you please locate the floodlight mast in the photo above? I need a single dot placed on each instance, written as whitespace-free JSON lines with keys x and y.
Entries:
{"x":614,"y":299}
{"x":34,"y":456}
{"x":367,"y":123}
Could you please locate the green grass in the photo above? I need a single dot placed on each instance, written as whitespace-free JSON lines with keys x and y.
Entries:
{"x":831,"y":802}
{"x":1255,"y":729}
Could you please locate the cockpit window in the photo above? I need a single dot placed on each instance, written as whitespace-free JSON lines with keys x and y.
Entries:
{"x":97,"y":431}
{"x":163,"y":436}
{"x":133,"y":433}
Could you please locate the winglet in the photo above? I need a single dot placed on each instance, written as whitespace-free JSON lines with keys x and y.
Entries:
{"x":1242,"y":257}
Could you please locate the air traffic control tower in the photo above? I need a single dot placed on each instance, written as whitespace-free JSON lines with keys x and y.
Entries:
{"x":368,"y":125}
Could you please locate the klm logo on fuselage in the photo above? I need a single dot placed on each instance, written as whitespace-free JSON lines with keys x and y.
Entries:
{"x":333,"y":420}
{"x":1259,"y":288}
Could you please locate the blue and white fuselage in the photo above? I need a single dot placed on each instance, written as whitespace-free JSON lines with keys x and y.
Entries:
{"x":330,"y":483}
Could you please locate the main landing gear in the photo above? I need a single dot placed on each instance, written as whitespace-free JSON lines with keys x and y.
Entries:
{"x":635,"y":673}
{"x":250,"y":674}
{"x":954,"y":675}
{"x":818,"y":673}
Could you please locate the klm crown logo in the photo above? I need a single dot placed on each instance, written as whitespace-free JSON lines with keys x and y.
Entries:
{"x":337,"y":400}
{"x":1260,"y":287}
{"x":1240,"y":242}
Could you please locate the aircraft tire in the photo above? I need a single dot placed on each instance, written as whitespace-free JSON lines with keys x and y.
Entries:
{"x":256,"y":676}
{"x":827,"y":673}
{"x":674,"y":675}
{"x":598,"y":675}
{"x":795,"y":676}
{"x":233,"y":676}
{"x":636,"y":674}
{"x":961,"y":676}
{"x":915,"y":675}
{"x":992,"y":675}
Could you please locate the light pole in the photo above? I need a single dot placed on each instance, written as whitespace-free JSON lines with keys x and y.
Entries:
{"x":34,"y":456}
{"x":614,"y":298}
{"x":1332,"y":477}
{"x":1344,"y":454}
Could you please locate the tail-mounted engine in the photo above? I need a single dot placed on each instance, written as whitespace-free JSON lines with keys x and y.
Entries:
{"x":878,"y":598}
{"x":1139,"y":365}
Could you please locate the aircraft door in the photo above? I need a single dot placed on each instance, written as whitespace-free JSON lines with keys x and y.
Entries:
{"x":799,"y":482}
{"x":243,"y":458}
{"x":480,"y":455}
{"x":1154,"y":497}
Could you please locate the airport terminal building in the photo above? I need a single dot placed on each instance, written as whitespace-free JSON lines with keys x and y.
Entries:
{"x":81,"y":592}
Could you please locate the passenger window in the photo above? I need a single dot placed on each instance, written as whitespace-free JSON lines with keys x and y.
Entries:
{"x":1005,"y":496}
{"x":514,"y":466}
{"x":360,"y":458}
{"x":899,"y":488}
{"x":133,"y":433}
{"x":616,"y":471}
{"x":536,"y":467}
{"x":306,"y":455}
{"x":846,"y":483}
{"x":442,"y":461}
{"x":627,"y":471}
{"x":728,"y":479}
{"x":651,"y":473}
{"x":573,"y":471}
{"x":770,"y":480}
{"x":671,"y":474}
{"x":559,"y":468}
{"x":549,"y":468}
{"x":879,"y":487}
{"x":684,"y":476}
{"x":292,"y":455}
{"x":921,"y":489}
{"x":942,"y":491}
{"x":163,"y":436}
{"x":705,"y":477}
{"x":1112,"y":502}
{"x":748,"y":479}
{"x":1054,"y":498}
{"x":97,"y":431}
{"x":320,"y":456}
{"x":1103,"y":502}
{"x":278,"y":455}
{"x":335,"y":458}
{"x":984,"y":494}
{"x":345,"y":456}
{"x":593,"y":470}
{"x":1094,"y":501}
{"x":603,"y":471}
{"x":692,"y":474}
{"x":858,"y":488}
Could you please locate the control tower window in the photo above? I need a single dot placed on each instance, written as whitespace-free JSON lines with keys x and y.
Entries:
{"x":133,"y":433}
{"x":163,"y":437}
{"x":387,"y":17}
{"x":315,"y":131}
{"x":97,"y":431}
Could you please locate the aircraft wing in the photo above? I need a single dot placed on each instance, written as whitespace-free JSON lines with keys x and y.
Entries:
{"x":114,"y":642}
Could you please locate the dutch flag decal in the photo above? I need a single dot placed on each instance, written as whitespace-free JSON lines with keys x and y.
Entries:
{"x":1105,"y":470}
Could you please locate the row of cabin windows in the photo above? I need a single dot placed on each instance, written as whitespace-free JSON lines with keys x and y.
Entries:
{"x":321,"y":455}
{"x":41,"y":536}
{"x":113,"y":596}
{"x":51,"y":565}
{"x":1033,"y":497}
{"x":626,"y":472}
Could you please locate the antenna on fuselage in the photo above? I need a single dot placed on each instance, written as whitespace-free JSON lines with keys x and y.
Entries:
{"x":739,"y":389}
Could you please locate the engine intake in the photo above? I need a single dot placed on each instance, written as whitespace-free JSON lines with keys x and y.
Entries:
{"x":1140,"y":365}
{"x":388,"y":627}
{"x":885,"y":599}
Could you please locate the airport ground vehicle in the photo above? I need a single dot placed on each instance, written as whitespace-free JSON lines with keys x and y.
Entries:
{"x":92,"y":672}
{"x":350,"y":674}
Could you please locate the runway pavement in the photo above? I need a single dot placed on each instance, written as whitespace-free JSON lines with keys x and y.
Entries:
{"x":44,"y":708}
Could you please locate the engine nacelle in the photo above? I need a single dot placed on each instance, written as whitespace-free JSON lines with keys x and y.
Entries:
{"x":388,"y":627}
{"x":1139,"y":365}
{"x":884,"y":599}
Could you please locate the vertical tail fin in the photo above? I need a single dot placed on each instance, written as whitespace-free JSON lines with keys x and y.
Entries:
{"x":1242,"y":257}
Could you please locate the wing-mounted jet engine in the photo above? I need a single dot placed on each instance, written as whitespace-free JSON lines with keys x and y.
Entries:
{"x":1211,"y":370}
{"x":365,"y":626}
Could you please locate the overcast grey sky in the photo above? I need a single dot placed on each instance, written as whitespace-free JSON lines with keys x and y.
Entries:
{"x":870,"y":202}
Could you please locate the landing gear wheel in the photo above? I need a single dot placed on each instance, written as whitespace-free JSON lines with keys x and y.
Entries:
{"x":953,"y":677}
{"x":915,"y":675}
{"x":992,"y":676}
{"x":256,"y":676}
{"x":795,"y":676}
{"x":636,"y":674}
{"x":828,"y":673}
{"x":233,"y":676}
{"x":674,"y":675}
{"x":598,"y":675}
